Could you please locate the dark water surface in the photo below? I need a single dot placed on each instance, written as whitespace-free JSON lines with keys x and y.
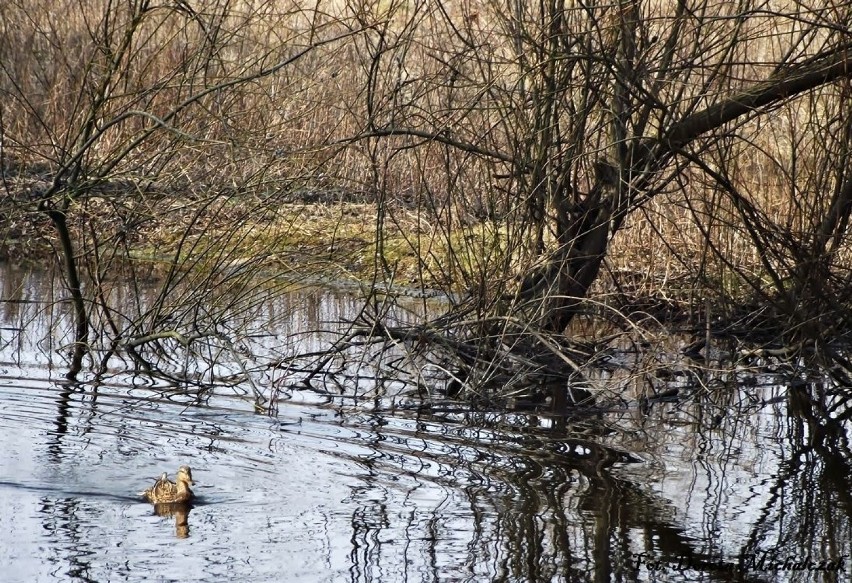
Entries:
{"x":341,"y":489}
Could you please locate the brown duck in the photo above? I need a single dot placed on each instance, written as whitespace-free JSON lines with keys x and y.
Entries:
{"x":164,"y":491}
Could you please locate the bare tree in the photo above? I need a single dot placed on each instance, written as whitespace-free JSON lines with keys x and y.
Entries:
{"x":589,"y":111}
{"x":109,"y":110}
{"x":578,"y":118}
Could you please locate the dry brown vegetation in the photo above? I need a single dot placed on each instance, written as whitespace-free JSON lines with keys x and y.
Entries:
{"x":653,"y":154}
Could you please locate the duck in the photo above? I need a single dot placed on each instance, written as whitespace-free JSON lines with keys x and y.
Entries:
{"x":164,"y":491}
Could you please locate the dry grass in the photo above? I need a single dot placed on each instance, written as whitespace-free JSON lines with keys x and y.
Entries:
{"x":412,"y":206}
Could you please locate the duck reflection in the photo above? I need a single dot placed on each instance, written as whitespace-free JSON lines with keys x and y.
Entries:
{"x":180,"y":511}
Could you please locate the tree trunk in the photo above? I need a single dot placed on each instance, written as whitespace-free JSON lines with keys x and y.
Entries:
{"x":81,"y":335}
{"x":584,"y":233}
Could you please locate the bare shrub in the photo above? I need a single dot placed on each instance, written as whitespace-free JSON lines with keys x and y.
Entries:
{"x":516,"y":150}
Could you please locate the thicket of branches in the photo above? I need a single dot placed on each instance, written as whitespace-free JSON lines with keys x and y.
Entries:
{"x":694,"y":153}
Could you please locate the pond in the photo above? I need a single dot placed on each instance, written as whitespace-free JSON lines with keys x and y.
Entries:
{"x":741,"y":481}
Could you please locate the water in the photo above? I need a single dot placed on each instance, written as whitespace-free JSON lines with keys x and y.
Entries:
{"x":330,"y":488}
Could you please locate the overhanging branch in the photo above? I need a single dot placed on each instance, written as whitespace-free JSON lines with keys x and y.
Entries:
{"x":786,"y":83}
{"x":440,"y":137}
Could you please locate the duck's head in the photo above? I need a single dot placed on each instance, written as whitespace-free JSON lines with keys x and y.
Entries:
{"x":184,"y":474}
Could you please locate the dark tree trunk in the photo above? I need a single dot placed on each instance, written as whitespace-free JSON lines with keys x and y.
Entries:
{"x":81,"y":320}
{"x":584,"y":231}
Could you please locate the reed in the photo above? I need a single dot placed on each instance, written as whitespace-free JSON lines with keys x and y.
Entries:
{"x":474,"y":134}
